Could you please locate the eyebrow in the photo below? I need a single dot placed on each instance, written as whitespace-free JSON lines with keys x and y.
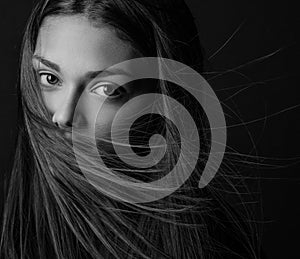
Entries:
{"x":89,"y":74}
{"x":47,"y":63}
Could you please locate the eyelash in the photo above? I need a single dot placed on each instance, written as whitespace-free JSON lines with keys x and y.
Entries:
{"x":53,"y":86}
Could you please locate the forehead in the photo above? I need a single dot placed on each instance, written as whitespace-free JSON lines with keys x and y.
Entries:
{"x":73,"y":42}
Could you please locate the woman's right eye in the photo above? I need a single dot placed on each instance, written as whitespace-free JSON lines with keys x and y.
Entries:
{"x":49,"y":80}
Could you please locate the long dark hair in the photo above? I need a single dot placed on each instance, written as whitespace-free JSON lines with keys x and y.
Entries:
{"x":52,"y":211}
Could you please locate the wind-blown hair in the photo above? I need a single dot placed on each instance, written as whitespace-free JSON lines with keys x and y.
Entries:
{"x":52,"y":211}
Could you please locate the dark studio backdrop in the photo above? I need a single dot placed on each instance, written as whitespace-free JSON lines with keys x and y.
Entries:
{"x":255,"y":44}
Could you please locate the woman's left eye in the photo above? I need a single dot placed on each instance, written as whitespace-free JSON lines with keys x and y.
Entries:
{"x":108,"y":90}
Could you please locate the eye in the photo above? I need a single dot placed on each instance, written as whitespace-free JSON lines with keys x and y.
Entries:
{"x":48,"y":80}
{"x":108,"y":90}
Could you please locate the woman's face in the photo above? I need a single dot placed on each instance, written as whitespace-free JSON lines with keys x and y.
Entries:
{"x":70,"y":59}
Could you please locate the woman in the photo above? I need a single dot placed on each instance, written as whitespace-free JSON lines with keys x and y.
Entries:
{"x":52,"y":210}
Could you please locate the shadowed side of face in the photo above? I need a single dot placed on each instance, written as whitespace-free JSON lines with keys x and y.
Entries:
{"x":71,"y":58}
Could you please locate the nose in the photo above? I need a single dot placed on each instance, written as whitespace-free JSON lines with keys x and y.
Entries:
{"x":63,"y":116}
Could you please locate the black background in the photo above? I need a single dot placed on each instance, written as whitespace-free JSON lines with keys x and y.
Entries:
{"x":261,"y":57}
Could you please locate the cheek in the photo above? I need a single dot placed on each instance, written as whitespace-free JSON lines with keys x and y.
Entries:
{"x":53,"y":100}
{"x":104,"y":121}
{"x":107,"y":116}
{"x":120,"y":116}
